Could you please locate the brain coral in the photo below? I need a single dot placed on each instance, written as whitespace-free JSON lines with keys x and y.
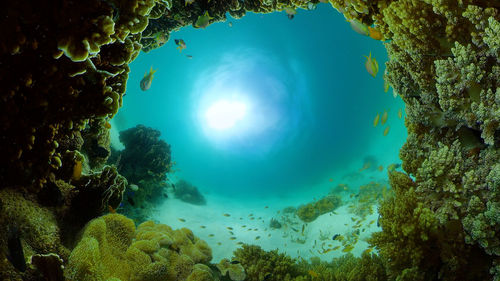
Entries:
{"x":111,"y":247}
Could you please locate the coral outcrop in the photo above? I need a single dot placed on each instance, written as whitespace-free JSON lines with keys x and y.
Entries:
{"x":313,"y":210}
{"x":112,"y":248}
{"x":189,"y":193}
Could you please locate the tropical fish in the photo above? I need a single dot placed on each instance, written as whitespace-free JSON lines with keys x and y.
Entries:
{"x":219,"y":243}
{"x":348,"y":248}
{"x":384,"y":118}
{"x":335,"y":248}
{"x":232,"y":238}
{"x":371,"y":222}
{"x":243,"y":226}
{"x":182,"y":220}
{"x":230,"y":24}
{"x":257,"y":238}
{"x":291,"y":12}
{"x":371,"y":65}
{"x":335,"y":236}
{"x":327,"y":250}
{"x":303,"y":227}
{"x":230,"y":232}
{"x":367,"y":251}
{"x":239,"y":243}
{"x":386,"y":131}
{"x":359,"y":27}
{"x":147,"y":79}
{"x":189,"y":56}
{"x":386,"y":83}
{"x":226,"y":215}
{"x":230,"y":228}
{"x":160,"y":38}
{"x":203,"y":21}
{"x":400,"y":113}
{"x":375,"y":121}
{"x":380,"y":168}
{"x":266,"y":207}
{"x":202,"y":226}
{"x":313,"y":274}
{"x":77,"y":170}
{"x":188,"y":2}
{"x":181,"y":45}
{"x":375,"y":33}
{"x":111,"y":209}
{"x":211,"y":235}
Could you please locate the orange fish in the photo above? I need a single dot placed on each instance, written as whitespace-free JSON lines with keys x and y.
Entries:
{"x":77,"y":170}
{"x":375,"y":33}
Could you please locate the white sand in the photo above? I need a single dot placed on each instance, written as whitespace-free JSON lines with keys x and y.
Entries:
{"x":212,"y":217}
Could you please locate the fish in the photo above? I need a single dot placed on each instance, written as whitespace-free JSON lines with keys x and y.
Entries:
{"x":250,"y":215}
{"x":15,"y":252}
{"x":327,"y":250}
{"x":226,"y":215}
{"x":182,"y":220}
{"x":371,"y":65}
{"x":203,"y":21}
{"x":189,"y":56}
{"x":375,"y":33}
{"x":367,"y":251}
{"x":380,"y":168}
{"x":235,"y":261}
{"x":313,"y":273}
{"x":294,"y":229}
{"x":290,"y":12}
{"x":330,"y":180}
{"x":219,"y":243}
{"x":107,"y":125}
{"x":386,"y":131}
{"x":371,"y":222}
{"x":252,"y":218}
{"x":311,"y":6}
{"x":130,"y":201}
{"x":230,"y":228}
{"x":239,"y":243}
{"x":375,"y":121}
{"x":232,"y":238}
{"x":211,"y":235}
{"x":186,"y":2}
{"x":269,"y":235}
{"x":386,"y":83}
{"x":243,"y":226}
{"x":147,"y":79}
{"x":181,"y":45}
{"x":257,"y":238}
{"x":111,"y":209}
{"x":230,"y":24}
{"x":336,"y":248}
{"x":400,"y":113}
{"x":230,"y":232}
{"x":303,"y":227}
{"x":384,"y":118}
{"x":359,"y":27}
{"x":266,"y":207}
{"x":348,"y":248}
{"x":202,"y":226}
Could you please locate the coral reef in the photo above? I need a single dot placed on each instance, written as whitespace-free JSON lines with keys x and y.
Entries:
{"x":189,"y":193}
{"x":145,"y":162}
{"x":313,"y":210}
{"x":111,"y":247}
{"x":233,"y":269}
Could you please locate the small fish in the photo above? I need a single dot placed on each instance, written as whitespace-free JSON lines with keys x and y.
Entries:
{"x":259,"y":218}
{"x":235,"y":261}
{"x":303,"y":227}
{"x":291,"y":12}
{"x":330,"y":179}
{"x":147,"y":79}
{"x":111,"y":209}
{"x":327,"y":250}
{"x":243,"y":226}
{"x":257,"y":238}
{"x":371,"y":222}
{"x":266,"y":207}
{"x":189,"y":56}
{"x":313,"y":273}
{"x":230,"y":232}
{"x":232,"y":238}
{"x":252,"y":218}
{"x":230,"y":24}
{"x":336,"y":248}
{"x":338,"y":237}
{"x":400,"y":113}
{"x":348,"y":248}
{"x":181,"y":45}
{"x":384,"y":118}
{"x":203,"y":21}
{"x":386,"y":131}
{"x":130,"y":201}
{"x":107,"y":125}
{"x":269,"y":235}
{"x":380,"y":168}
{"x":375,"y":121}
{"x":219,"y":243}
{"x":230,"y":228}
{"x":367,"y":251}
{"x":371,"y":65}
{"x":211,"y":235}
{"x":375,"y":33}
{"x":182,"y":220}
{"x":359,"y":27}
{"x":250,"y":215}
{"x":294,"y":229}
{"x":239,"y":243}
{"x":226,"y":215}
{"x":202,"y":226}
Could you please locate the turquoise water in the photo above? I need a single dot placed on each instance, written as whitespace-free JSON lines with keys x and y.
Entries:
{"x":312,"y":97}
{"x":310,"y":105}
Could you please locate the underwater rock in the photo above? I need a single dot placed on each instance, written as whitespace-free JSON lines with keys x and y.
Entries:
{"x":188,"y":193}
{"x":311,"y":211}
{"x":235,"y":271}
{"x":15,"y":252}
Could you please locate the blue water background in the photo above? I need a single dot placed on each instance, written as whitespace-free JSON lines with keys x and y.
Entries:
{"x":306,"y":74}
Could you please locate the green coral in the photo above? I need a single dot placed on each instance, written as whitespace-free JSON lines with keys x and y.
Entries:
{"x":111,"y":247}
{"x":313,"y":210}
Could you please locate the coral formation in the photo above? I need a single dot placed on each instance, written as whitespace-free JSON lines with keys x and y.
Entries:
{"x":233,"y":269}
{"x":111,"y":247}
{"x":311,"y":211}
{"x":189,"y":193}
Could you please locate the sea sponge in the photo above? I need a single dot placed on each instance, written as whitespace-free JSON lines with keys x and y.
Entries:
{"x":111,"y":247}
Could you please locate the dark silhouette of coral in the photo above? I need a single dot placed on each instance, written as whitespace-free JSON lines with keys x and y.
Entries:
{"x":189,"y":193}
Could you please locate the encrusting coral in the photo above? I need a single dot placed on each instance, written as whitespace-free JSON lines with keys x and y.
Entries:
{"x":111,"y":247}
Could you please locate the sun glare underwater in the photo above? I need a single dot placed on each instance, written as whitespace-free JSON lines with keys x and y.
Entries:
{"x":265,"y":115}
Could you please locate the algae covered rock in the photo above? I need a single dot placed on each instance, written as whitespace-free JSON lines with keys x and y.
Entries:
{"x":313,"y":210}
{"x":189,"y":193}
{"x":111,"y":247}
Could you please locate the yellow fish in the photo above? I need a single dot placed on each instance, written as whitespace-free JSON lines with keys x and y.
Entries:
{"x":375,"y":33}
{"x":375,"y":121}
{"x":348,"y":248}
{"x":384,"y":118}
{"x":147,"y":79}
{"x":359,"y":27}
{"x":400,"y":113}
{"x":371,"y":65}
{"x":226,"y":215}
{"x":386,"y":131}
{"x":203,"y":21}
{"x":232,"y":238}
{"x":386,"y":84}
{"x":336,"y":248}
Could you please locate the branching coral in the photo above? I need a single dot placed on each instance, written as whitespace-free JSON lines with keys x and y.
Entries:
{"x":111,"y":247}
